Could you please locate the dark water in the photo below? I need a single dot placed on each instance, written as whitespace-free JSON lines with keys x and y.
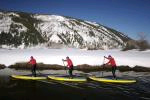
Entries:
{"x":12,"y":89}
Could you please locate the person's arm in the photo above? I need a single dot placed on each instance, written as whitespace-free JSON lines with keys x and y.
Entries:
{"x":106,"y":57}
{"x":108,"y":62}
{"x":29,"y":62}
{"x":64,"y":60}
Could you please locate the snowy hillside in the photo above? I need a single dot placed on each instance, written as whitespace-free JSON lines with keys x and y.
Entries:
{"x":20,"y":30}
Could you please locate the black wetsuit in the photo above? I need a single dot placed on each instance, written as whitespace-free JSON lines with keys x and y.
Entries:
{"x":114,"y":71}
{"x":34,"y":70}
{"x":70,"y":71}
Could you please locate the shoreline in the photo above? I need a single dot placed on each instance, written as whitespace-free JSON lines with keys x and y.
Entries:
{"x":83,"y":67}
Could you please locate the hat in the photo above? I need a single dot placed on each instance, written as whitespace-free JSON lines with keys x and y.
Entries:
{"x":109,"y":56}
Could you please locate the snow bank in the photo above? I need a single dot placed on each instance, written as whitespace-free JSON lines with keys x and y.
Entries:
{"x":55,"y":56}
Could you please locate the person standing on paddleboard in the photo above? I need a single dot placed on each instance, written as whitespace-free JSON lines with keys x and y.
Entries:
{"x":112,"y":63}
{"x":33,"y":63}
{"x":69,"y":65}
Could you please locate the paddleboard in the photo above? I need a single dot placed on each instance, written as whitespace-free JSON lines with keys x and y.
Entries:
{"x":25,"y":77}
{"x":74,"y":79}
{"x":107,"y":80}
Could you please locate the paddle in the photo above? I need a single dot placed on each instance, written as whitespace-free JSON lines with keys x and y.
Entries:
{"x":103,"y":65}
{"x":64,"y":65}
{"x":38,"y":70}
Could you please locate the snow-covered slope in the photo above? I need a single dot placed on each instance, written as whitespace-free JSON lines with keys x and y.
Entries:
{"x":8,"y":25}
{"x":56,"y":32}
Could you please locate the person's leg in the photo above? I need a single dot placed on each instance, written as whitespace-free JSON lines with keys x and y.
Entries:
{"x":34,"y":70}
{"x":113,"y":72}
{"x":71,"y":72}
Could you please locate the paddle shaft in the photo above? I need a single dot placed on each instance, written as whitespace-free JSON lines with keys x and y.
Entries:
{"x":103,"y":66}
{"x":38,"y":70}
{"x":64,"y":66}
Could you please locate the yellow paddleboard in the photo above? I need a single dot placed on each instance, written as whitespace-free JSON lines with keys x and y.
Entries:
{"x":61,"y":78}
{"x":111,"y":80}
{"x":27,"y":77}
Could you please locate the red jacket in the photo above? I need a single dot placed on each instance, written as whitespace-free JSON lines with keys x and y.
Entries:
{"x":111,"y":62}
{"x":70,"y":64}
{"x":32,"y":61}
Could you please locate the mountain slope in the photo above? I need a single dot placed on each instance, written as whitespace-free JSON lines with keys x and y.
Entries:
{"x":18,"y":29}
